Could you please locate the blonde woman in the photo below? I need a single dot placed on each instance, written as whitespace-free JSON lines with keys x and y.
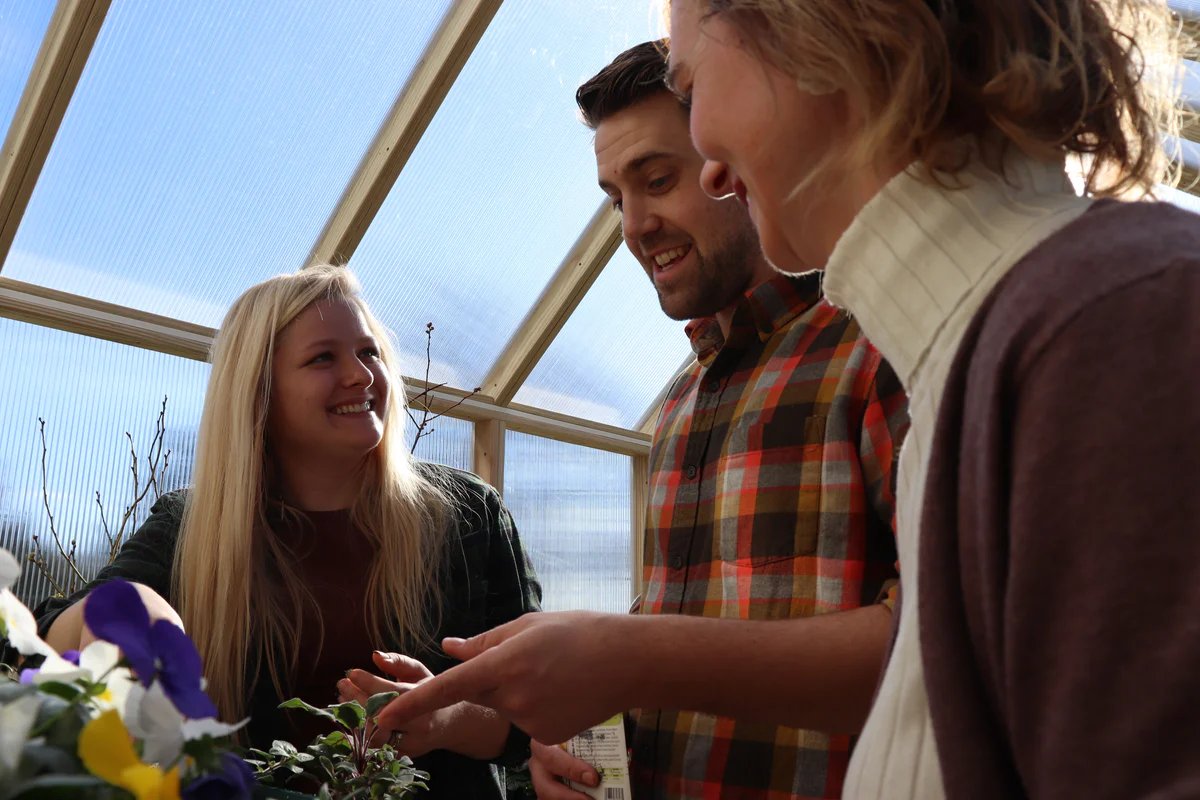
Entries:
{"x":311,"y":538}
{"x":920,"y":152}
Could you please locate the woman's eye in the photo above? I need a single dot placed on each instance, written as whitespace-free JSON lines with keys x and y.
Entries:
{"x":369,"y":352}
{"x":321,"y":357}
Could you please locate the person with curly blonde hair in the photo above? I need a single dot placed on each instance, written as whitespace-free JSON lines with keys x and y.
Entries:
{"x":962,"y":171}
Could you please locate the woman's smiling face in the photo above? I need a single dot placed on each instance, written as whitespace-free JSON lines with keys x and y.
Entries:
{"x":762,"y":136}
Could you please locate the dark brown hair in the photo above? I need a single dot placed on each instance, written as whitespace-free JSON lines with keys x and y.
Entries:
{"x":638,"y":73}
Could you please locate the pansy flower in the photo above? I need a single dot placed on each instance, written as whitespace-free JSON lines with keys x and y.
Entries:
{"x":115,"y":613}
{"x":16,"y":622}
{"x":235,"y":781}
{"x":107,"y":751}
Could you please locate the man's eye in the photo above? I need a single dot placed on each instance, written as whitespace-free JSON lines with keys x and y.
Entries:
{"x":616,"y":204}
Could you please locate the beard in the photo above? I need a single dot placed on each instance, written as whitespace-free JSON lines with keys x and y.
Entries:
{"x":723,"y":273}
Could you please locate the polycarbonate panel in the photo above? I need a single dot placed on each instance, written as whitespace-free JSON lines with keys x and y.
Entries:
{"x":446,"y":440}
{"x":207,"y":144}
{"x":572,"y":509}
{"x":615,"y":354}
{"x":90,"y":393}
{"x":500,"y":187}
{"x":1184,"y":200}
{"x":23,"y":25}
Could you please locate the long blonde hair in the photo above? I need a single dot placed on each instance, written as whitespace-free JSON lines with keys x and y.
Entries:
{"x":1096,"y":78}
{"x":239,"y":598}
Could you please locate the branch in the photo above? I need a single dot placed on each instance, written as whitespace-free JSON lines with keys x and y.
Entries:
{"x":75,"y":573}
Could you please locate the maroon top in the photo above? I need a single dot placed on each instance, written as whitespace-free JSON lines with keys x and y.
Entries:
{"x":333,"y":559}
{"x":1060,"y":544}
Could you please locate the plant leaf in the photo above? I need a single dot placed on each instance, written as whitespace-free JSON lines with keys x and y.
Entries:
{"x":296,"y":702}
{"x":377,"y":701}
{"x":350,"y":715}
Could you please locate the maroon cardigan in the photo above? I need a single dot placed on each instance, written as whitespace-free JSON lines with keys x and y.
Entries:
{"x":1060,"y":543}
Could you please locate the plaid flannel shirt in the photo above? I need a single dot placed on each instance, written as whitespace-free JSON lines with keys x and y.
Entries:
{"x":771,"y":496}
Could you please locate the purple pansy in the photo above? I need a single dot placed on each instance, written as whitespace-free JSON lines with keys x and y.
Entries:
{"x":235,"y":781}
{"x":115,"y":613}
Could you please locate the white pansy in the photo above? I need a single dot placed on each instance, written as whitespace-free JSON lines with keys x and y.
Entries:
{"x":98,"y":661}
{"x":151,"y":717}
{"x":19,"y":627}
{"x":16,"y":623}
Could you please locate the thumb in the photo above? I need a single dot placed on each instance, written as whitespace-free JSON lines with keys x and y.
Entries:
{"x":400,"y":667}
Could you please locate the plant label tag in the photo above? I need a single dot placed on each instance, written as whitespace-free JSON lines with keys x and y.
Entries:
{"x":603,"y":746}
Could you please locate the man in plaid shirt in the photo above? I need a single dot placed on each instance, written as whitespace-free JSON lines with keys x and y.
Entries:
{"x":771,"y":493}
{"x":769,"y":549}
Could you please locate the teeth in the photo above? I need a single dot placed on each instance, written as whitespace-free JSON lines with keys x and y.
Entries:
{"x":357,"y":408}
{"x":662,"y":259}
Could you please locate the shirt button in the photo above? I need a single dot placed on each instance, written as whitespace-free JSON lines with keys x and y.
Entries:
{"x":690,"y":471}
{"x":676,"y":562}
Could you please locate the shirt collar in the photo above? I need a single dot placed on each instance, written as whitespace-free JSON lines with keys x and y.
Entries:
{"x":759,"y":314}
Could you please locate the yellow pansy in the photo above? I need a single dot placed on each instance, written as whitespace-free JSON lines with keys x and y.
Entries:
{"x":107,"y":751}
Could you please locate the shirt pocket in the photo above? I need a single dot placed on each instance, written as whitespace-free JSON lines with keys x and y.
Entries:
{"x":769,"y":496}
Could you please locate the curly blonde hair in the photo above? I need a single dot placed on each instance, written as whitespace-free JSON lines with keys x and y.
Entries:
{"x":1095,"y":78}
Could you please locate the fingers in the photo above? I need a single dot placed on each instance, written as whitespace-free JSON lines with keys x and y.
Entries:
{"x":373,"y":684}
{"x":547,"y":772}
{"x":400,"y":667}
{"x":465,"y":649}
{"x":467,"y":681}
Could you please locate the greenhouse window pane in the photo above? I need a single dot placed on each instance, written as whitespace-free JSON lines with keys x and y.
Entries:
{"x":208,"y":143}
{"x":572,"y":509}
{"x":23,"y":25}
{"x":616,"y":353}
{"x":90,"y":393}
{"x":446,"y":440}
{"x":499,"y":188}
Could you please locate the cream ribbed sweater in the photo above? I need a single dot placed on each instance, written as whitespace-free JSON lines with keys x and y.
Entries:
{"x":913,"y":268}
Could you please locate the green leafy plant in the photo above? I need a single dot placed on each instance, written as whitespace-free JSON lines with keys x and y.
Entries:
{"x":344,"y":762}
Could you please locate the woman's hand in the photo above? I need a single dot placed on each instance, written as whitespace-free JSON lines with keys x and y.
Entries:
{"x":463,"y":728}
{"x":419,"y":735}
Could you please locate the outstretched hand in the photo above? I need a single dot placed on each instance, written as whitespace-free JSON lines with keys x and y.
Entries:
{"x":552,"y":674}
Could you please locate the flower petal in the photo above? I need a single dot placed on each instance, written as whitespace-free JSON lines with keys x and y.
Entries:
{"x":98,"y":658}
{"x":10,"y":570}
{"x":106,"y":749}
{"x":235,"y":781}
{"x":20,"y":628}
{"x":181,"y":671}
{"x":151,"y":783}
{"x":58,"y":669}
{"x":199,"y":728}
{"x":152,"y":718}
{"x":16,"y":720}
{"x":115,"y":613}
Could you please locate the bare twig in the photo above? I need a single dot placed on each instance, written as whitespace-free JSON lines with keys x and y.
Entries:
{"x":70,"y":559}
{"x":423,"y":399}
{"x":157,"y":462}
